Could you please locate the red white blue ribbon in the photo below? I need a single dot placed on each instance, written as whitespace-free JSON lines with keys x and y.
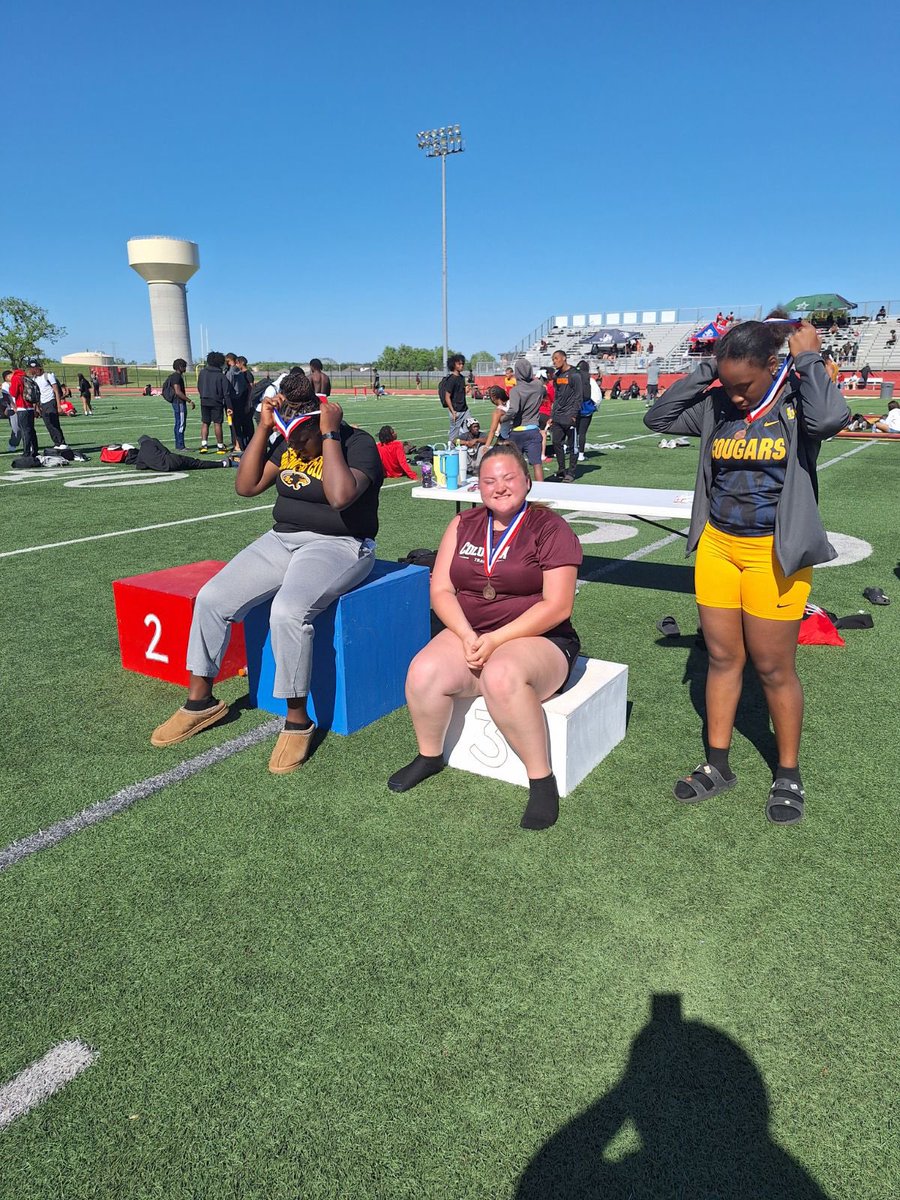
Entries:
{"x":772,"y":394}
{"x":491,"y":552}
{"x":286,"y":428}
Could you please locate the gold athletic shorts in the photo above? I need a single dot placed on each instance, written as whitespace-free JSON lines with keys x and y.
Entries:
{"x":743,"y":572}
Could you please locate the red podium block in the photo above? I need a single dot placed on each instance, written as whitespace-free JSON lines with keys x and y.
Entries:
{"x":153,"y":613}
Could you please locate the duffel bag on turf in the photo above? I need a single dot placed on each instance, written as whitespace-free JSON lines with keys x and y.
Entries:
{"x":118,"y":454}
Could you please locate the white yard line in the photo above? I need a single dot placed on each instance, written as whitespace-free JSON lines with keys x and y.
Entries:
{"x":847,"y":454}
{"x":43,"y":1079}
{"x":608,"y":568}
{"x":99,"y":537}
{"x":43,"y":839}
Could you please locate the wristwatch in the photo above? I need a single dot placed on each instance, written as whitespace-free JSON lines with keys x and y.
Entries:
{"x":335,"y":437}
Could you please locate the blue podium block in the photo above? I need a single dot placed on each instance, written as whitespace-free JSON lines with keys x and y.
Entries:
{"x":363,"y":645}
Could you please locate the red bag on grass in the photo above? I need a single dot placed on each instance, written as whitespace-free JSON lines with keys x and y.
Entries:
{"x":817,"y":628}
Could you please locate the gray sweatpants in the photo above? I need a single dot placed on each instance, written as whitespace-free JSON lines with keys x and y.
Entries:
{"x":304,"y":572}
{"x":459,"y":422}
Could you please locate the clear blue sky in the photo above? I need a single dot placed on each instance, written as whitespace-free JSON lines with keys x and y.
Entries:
{"x":617,"y":155}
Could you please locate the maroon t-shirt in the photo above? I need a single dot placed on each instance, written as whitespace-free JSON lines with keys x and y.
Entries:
{"x":543,"y":541}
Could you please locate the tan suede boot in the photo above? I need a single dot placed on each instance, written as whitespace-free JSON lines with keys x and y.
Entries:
{"x":291,"y":750}
{"x":184,"y":724}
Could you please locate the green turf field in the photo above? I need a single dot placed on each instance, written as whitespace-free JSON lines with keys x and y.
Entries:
{"x":309,"y":987}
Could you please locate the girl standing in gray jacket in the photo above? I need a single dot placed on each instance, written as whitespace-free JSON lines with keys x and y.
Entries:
{"x":755,"y":526}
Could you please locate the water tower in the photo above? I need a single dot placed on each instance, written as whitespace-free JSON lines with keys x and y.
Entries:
{"x":167,"y":264}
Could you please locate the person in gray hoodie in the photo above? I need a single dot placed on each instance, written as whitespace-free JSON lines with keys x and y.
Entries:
{"x":525,"y":401}
{"x":756,"y":528}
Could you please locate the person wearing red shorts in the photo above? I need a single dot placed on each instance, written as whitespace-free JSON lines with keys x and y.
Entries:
{"x":756,"y":528}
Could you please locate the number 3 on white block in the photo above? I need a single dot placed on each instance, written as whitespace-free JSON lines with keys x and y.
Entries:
{"x":150,"y":652}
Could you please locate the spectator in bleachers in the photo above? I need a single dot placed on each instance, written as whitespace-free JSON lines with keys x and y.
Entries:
{"x":892,"y":340}
{"x":649,"y":347}
{"x":881,"y":315}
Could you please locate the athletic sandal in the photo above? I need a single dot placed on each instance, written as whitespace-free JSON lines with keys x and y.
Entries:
{"x":875,"y":595}
{"x":788,"y":796}
{"x":185,"y":723}
{"x":291,"y":750}
{"x":668,"y":627}
{"x":707,"y":782}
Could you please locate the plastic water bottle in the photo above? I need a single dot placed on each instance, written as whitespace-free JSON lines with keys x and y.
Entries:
{"x":452,"y":471}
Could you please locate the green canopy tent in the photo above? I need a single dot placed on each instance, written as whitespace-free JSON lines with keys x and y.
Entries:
{"x":824,"y":302}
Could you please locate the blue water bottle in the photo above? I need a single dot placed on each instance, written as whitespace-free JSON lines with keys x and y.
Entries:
{"x":451,"y":469}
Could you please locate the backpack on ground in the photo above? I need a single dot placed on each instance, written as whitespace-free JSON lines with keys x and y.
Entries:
{"x":25,"y":462}
{"x":420,"y":558}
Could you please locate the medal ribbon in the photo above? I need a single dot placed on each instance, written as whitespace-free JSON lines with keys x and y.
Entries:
{"x":778,"y":382}
{"x":287,"y":427}
{"x":492,"y":553}
{"x":772,"y":394}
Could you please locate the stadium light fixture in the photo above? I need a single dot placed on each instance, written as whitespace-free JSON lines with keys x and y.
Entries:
{"x":439,"y":143}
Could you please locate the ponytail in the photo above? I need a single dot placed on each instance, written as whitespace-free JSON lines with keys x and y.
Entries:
{"x":755,"y":341}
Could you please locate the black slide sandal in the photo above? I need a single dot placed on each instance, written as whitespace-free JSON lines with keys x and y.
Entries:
{"x":788,"y":795}
{"x":704,"y":775}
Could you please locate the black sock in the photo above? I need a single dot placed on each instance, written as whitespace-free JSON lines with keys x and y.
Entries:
{"x":719,"y":760}
{"x":791,"y":773}
{"x":542,"y":809}
{"x":422,"y":767}
{"x":199,"y":705}
{"x":701,"y":783}
{"x":307,"y":724}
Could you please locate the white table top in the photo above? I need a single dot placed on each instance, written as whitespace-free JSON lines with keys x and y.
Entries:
{"x":585,"y":497}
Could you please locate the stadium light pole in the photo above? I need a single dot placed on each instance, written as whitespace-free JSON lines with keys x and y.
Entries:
{"x":438,"y":143}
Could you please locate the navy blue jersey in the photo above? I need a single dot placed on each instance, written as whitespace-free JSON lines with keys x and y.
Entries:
{"x":748,"y":466}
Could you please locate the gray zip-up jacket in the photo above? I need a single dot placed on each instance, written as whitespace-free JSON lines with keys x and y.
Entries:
{"x":692,"y":408}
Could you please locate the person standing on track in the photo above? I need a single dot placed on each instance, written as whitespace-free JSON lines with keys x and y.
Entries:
{"x":50,"y":399}
{"x":320,"y":380}
{"x":756,"y":528}
{"x":215,"y":396}
{"x":452,"y":391}
{"x":564,"y":415}
{"x":173,"y":391}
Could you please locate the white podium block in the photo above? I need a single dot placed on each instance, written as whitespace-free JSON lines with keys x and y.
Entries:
{"x":584,"y":723}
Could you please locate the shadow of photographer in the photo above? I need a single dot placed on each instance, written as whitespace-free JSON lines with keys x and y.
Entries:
{"x":689,"y":1118}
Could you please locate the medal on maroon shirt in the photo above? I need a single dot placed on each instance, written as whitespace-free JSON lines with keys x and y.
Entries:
{"x":492,"y":553}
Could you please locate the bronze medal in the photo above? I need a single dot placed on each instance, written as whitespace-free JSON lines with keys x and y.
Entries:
{"x":489,"y":591}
